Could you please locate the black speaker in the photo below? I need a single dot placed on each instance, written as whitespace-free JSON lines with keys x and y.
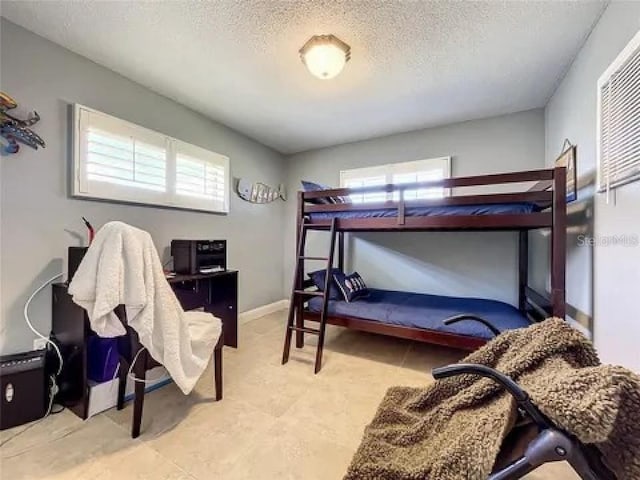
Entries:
{"x":23,"y":388}
{"x":76,"y":254}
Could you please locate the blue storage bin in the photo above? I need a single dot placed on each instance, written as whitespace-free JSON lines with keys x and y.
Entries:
{"x":103,"y":358}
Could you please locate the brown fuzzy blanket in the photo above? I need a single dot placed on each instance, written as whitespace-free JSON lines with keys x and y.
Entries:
{"x":454,"y":429}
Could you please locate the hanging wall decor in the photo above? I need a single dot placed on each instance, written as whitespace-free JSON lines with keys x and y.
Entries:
{"x":568,"y":159}
{"x":15,"y":130}
{"x":257,"y":192}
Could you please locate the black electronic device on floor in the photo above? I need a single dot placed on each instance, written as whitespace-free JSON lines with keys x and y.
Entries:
{"x":23,"y":388}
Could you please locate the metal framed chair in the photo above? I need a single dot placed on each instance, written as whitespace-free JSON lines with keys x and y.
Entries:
{"x":551,"y":444}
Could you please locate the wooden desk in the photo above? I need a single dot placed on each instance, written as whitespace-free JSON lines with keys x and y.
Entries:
{"x":216,"y":293}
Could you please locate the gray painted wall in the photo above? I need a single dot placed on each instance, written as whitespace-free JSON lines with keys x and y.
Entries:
{"x":571,"y":113}
{"x":39,"y":220}
{"x":467,"y":264}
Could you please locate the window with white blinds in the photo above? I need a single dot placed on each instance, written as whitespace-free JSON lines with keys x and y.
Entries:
{"x":619,"y":119}
{"x":398,"y":173}
{"x":120,"y":161}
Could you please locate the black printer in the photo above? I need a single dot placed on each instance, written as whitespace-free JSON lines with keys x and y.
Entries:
{"x":199,"y":256}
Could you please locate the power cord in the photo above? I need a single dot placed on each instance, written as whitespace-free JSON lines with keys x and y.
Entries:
{"x":53,"y":386}
{"x":32,"y":328}
{"x":53,"y":390}
{"x":133,"y":363}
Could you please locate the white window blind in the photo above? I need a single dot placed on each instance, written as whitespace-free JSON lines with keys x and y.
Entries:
{"x":201,"y":178}
{"x":398,"y":173}
{"x":117,"y":160}
{"x":124,"y":161}
{"x":198,"y":178}
{"x":619,"y":119}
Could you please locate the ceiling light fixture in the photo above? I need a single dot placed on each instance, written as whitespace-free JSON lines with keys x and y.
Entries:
{"x":325,"y":55}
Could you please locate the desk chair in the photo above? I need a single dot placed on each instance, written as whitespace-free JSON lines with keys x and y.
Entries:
{"x":132,"y":351}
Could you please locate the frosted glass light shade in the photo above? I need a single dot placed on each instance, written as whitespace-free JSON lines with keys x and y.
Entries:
{"x":325,"y":56}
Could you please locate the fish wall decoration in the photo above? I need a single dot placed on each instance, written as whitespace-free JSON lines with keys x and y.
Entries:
{"x":15,"y":130}
{"x":257,"y":192}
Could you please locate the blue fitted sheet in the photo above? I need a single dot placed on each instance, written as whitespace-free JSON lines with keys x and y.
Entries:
{"x":482,"y":209}
{"x":418,"y":310}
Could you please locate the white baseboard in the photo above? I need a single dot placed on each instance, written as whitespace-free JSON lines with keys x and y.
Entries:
{"x":263,"y":310}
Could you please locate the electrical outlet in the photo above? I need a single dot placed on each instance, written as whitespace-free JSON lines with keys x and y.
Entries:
{"x":39,"y":344}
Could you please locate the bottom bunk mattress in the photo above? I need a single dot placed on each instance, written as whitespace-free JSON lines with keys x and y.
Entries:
{"x":419,"y":310}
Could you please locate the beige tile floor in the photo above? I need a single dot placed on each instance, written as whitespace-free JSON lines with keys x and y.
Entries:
{"x":275,"y":422}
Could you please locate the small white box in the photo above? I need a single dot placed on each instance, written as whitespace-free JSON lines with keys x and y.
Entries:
{"x":103,"y":396}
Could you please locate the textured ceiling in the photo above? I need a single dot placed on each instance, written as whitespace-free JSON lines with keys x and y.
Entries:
{"x":414,"y":64}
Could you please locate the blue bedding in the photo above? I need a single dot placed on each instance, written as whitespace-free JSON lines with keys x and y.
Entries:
{"x":483,"y":209}
{"x":424,"y":311}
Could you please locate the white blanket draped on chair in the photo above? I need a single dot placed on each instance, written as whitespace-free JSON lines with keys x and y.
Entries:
{"x":122,"y":267}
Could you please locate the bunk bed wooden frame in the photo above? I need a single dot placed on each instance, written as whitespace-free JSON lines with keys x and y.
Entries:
{"x":548,"y":192}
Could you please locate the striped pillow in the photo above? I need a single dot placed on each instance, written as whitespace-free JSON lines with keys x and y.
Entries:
{"x":351,"y":286}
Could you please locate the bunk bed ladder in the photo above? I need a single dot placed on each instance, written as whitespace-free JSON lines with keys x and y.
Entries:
{"x":299,"y":295}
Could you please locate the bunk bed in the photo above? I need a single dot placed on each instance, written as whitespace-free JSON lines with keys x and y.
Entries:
{"x":540,"y":204}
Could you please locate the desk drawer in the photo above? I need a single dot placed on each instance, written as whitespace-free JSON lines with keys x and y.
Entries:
{"x":191,"y":294}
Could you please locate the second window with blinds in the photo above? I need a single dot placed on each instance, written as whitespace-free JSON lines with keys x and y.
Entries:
{"x":398,"y":173}
{"x":120,"y":161}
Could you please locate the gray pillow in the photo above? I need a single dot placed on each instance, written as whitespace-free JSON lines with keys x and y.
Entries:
{"x":314,"y":187}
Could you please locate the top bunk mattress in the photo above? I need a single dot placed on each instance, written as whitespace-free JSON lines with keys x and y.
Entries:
{"x":423,"y":311}
{"x":434,"y":211}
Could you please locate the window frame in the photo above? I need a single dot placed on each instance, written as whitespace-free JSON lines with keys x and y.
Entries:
{"x":82,"y":187}
{"x":391,"y":169}
{"x":603,"y":182}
